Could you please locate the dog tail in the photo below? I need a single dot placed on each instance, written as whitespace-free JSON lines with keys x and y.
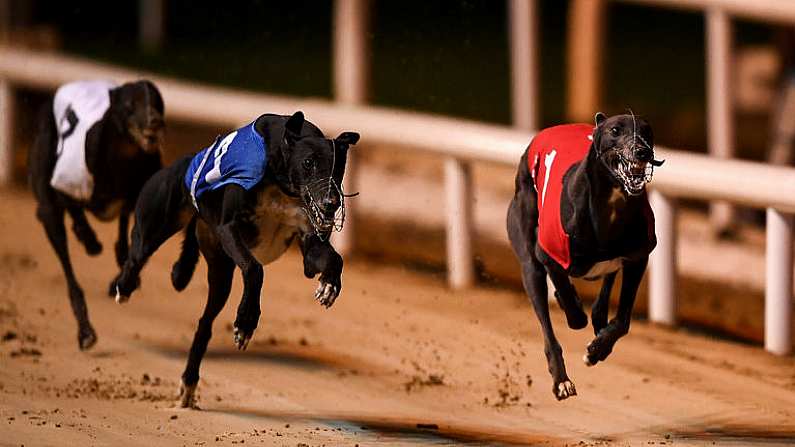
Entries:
{"x":182,"y":271}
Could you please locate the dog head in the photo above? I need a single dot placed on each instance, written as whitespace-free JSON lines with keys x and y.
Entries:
{"x":138,"y":112}
{"x":312,"y":169}
{"x":625,"y":146}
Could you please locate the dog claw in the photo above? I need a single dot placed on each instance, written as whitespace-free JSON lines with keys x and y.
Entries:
{"x":241,"y":339}
{"x":86,"y":338}
{"x":120,"y":299}
{"x":326,"y":294}
{"x":565,"y":390}
{"x":187,"y":396}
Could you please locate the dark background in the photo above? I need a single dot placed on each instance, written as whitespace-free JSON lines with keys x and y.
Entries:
{"x":448,"y":57}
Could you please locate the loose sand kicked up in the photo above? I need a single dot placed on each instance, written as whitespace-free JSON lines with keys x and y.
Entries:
{"x":398,"y":360}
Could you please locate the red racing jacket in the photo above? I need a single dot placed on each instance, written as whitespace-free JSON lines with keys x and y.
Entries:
{"x":551,"y":153}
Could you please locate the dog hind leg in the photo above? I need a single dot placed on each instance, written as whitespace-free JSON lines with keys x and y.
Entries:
{"x":161,"y":211}
{"x":220,"y":269}
{"x":183,"y":268}
{"x":521,"y":219}
{"x":602,"y":345}
{"x":52,"y":217}
{"x":534,"y":279}
{"x":146,"y":239}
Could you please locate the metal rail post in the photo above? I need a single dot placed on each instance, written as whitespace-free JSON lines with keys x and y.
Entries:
{"x":720,"y":128}
{"x":662,"y":271}
{"x":151,"y":21}
{"x":523,"y":26}
{"x":778,"y":283}
{"x":584,"y":58}
{"x":458,"y":201}
{"x":6,"y":132}
{"x":351,"y":86}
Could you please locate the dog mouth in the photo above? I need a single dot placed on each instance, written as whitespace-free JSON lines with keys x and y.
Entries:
{"x":633,"y":175}
{"x":324,"y":205}
{"x":149,"y":140}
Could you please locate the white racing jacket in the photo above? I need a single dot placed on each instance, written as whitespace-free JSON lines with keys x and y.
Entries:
{"x":77,"y":106}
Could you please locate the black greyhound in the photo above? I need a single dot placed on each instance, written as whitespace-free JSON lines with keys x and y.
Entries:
{"x":581,"y":210}
{"x":246,"y":224}
{"x":122,"y":150}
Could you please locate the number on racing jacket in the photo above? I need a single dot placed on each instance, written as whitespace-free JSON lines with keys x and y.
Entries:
{"x":66,"y":127}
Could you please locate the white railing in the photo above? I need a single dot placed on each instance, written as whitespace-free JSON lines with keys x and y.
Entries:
{"x":685,"y":175}
{"x":720,"y":132}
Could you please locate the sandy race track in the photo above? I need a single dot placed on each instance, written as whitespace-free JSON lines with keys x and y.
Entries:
{"x":398,"y":360}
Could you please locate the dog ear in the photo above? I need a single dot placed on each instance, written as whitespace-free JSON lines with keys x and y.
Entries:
{"x":347,"y":139}
{"x":599,"y":118}
{"x":154,"y":94}
{"x":292,"y":129}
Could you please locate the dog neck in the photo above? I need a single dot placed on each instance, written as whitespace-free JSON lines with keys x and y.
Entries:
{"x":277,"y":165}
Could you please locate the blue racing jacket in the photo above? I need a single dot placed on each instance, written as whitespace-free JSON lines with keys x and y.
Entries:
{"x":239,"y":157}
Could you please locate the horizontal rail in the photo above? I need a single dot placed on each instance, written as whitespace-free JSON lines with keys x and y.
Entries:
{"x":685,"y":175}
{"x":194,"y":102}
{"x":777,"y":11}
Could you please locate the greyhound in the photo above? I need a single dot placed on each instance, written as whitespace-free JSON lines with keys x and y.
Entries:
{"x":95,"y":146}
{"x":242,"y":202}
{"x":581,"y":210}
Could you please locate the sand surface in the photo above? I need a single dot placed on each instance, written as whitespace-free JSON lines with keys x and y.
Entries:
{"x":398,"y":360}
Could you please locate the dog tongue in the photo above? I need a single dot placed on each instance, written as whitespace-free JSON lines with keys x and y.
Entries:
{"x":637,"y":168}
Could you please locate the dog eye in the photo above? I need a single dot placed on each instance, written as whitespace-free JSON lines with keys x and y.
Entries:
{"x":614,"y":131}
{"x":308,"y":163}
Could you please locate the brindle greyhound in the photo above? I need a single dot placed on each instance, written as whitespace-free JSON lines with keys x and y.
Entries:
{"x":122,"y":150}
{"x":247,"y":225}
{"x":581,"y":210}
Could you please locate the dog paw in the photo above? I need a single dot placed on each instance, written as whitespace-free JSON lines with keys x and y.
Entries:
{"x":86,"y":338}
{"x":578,"y":320}
{"x":326,"y":293}
{"x":242,"y":339}
{"x":120,"y":298}
{"x":244,"y":327}
{"x":598,"y":349}
{"x":564,"y":390}
{"x":93,"y":247}
{"x":187,"y":396}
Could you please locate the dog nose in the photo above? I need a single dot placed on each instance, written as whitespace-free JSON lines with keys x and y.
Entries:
{"x":643,"y":154}
{"x":331,"y":201}
{"x":156,"y":123}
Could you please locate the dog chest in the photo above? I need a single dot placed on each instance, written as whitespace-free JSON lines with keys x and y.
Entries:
{"x":602,"y":268}
{"x":108,"y":211}
{"x":278,"y":218}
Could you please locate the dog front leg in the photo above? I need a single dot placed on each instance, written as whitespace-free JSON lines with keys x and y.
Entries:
{"x":567,"y":298}
{"x":600,"y":306}
{"x":82,"y":229}
{"x":52,"y":217}
{"x":320,"y":257}
{"x":248,"y":311}
{"x":602,"y":345}
{"x":122,"y":243}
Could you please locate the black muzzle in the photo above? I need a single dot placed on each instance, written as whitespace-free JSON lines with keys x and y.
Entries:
{"x":324,"y":205}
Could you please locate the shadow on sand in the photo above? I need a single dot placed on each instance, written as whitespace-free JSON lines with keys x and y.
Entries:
{"x":737,"y":434}
{"x":305,"y":358}
{"x":374,"y":428}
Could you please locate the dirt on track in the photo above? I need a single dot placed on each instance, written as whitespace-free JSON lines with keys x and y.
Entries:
{"x":398,"y":360}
